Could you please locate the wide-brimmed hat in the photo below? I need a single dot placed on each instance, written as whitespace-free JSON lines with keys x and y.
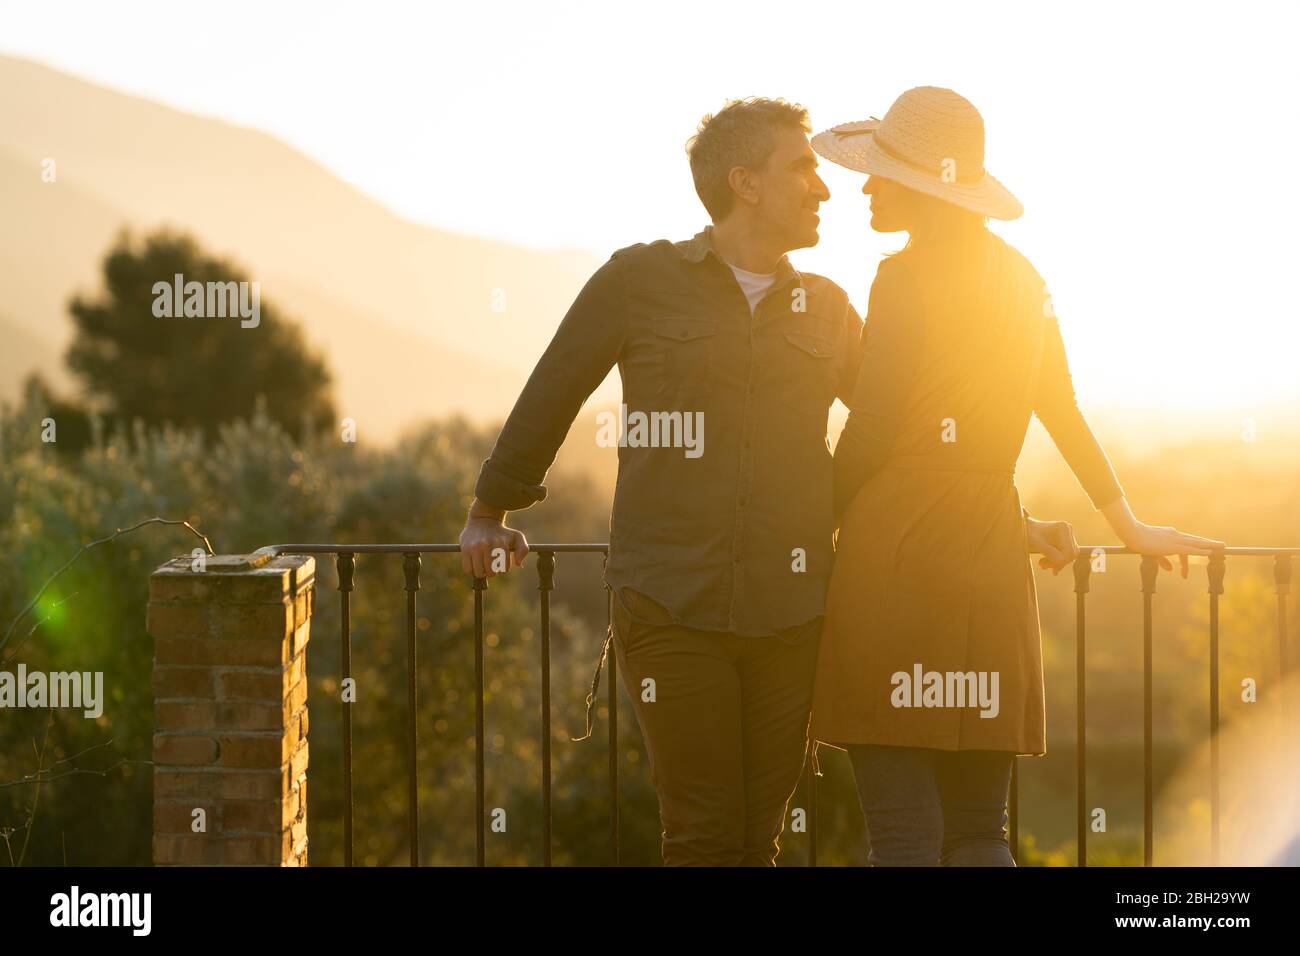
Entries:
{"x":931,"y":140}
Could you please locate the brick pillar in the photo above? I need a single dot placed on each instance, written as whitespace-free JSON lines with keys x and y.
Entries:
{"x":230,"y":709}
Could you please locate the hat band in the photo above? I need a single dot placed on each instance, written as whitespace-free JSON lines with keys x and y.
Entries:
{"x":897,"y":157}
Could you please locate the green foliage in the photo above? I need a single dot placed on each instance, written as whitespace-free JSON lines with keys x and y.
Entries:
{"x":253,"y":484}
{"x":189,"y":371}
{"x":72,"y":426}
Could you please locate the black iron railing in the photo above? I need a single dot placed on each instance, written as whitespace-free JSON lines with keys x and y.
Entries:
{"x":1216,"y":568}
{"x":345,"y":559}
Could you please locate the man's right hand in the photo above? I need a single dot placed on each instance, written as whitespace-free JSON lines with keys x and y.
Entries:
{"x":486,"y":543}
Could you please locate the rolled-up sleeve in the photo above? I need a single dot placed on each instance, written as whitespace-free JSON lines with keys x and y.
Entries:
{"x":585,"y":347}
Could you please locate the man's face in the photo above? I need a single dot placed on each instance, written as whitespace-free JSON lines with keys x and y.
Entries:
{"x":789,"y":191}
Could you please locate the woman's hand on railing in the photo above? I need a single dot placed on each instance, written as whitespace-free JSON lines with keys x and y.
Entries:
{"x":1161,"y":541}
{"x":487,"y":546}
{"x":1156,"y":540}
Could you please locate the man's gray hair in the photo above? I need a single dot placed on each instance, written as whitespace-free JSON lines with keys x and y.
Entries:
{"x":739,"y":134}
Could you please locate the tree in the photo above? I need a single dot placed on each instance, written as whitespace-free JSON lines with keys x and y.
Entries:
{"x":73,"y":427}
{"x":197,"y":359}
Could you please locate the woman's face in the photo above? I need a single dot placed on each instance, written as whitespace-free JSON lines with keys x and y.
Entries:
{"x":896,"y":208}
{"x":892,"y":205}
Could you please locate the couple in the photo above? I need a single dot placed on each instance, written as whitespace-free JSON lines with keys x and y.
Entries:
{"x":732,"y":624}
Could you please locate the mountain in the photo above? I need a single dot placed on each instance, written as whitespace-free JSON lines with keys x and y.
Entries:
{"x":24,"y":352}
{"x":403,"y":311}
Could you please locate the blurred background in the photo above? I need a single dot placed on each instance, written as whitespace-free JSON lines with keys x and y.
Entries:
{"x":421,"y":191}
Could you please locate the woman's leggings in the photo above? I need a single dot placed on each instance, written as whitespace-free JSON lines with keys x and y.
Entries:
{"x":934,"y":807}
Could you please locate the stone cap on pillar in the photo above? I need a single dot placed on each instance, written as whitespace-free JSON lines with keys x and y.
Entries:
{"x":250,"y":578}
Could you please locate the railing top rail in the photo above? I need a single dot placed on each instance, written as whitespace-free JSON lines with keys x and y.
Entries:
{"x":344,"y":553}
{"x":275,"y":550}
{"x":1246,"y":552}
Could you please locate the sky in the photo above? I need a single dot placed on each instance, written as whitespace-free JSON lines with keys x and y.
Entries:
{"x":1154,"y":145}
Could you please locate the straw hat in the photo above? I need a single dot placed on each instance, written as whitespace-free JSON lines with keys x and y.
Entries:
{"x":931,"y":140}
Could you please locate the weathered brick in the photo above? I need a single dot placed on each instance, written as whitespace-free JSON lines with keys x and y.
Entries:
{"x":172,"y":682}
{"x":177,"y":620}
{"x":181,"y":784}
{"x":295,"y":700}
{"x":177,"y":816}
{"x":252,"y":621}
{"x":184,"y":715}
{"x":224,"y":582}
{"x":231,"y":709}
{"x":298,"y":764}
{"x":253,"y":752}
{"x":301,"y":637}
{"x":250,"y":715}
{"x":289,"y":741}
{"x":303,"y":604}
{"x":170,"y":586}
{"x":219,"y":652}
{"x":265,"y":816}
{"x":252,"y":850}
{"x":184,"y":750}
{"x":188,"y":848}
{"x":266,"y":685}
{"x":291,"y":807}
{"x":251,"y":785}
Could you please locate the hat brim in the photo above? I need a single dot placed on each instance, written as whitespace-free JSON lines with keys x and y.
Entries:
{"x":853,"y":146}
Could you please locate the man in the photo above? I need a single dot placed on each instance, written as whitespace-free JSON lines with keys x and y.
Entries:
{"x":720,"y":548}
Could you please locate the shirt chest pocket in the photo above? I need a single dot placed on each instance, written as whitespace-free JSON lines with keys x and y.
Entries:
{"x":684,"y":354}
{"x":808,"y":371}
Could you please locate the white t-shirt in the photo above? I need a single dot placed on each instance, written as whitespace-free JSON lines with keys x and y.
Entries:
{"x":754,"y":285}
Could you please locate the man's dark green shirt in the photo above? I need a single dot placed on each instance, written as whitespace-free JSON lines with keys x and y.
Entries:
{"x":736,"y":535}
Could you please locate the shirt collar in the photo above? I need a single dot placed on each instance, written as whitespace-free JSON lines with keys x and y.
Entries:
{"x":700,"y":247}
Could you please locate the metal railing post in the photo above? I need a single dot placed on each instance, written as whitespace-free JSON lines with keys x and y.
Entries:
{"x":546,"y":584}
{"x":1082,"y":574}
{"x":480,"y":834}
{"x":1215,"y":572}
{"x":411,"y":566}
{"x":1150,"y":568}
{"x":346,"y":565}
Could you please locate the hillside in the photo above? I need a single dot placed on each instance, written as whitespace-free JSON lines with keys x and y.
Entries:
{"x":403,"y":310}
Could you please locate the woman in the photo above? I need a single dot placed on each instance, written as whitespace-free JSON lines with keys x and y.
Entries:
{"x":930,"y":671}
